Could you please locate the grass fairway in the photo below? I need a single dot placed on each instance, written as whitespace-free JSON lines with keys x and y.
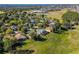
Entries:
{"x":74,"y":40}
{"x":57,"y":14}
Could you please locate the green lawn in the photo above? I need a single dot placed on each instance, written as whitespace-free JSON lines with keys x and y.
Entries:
{"x":55,"y":43}
{"x":74,"y":40}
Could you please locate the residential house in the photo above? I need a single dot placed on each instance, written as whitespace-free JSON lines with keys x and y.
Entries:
{"x":20,"y":36}
{"x":14,"y":28}
{"x":48,"y":29}
{"x":41,"y":31}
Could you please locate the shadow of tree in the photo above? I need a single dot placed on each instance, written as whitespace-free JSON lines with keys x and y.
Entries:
{"x":63,"y":30}
{"x":39,"y":38}
{"x":18,"y":44}
{"x":22,"y":52}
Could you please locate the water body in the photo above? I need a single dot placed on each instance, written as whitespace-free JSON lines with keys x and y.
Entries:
{"x":22,"y":5}
{"x":30,"y":5}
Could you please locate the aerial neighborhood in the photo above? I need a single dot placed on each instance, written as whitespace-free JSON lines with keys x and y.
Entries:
{"x":38,"y":29}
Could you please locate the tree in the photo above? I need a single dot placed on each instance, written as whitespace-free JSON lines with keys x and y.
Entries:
{"x":9,"y":31}
{"x":57,"y":26}
{"x":70,"y":18}
{"x":1,"y":43}
{"x":8,"y":44}
{"x":32,"y":33}
{"x":13,"y":22}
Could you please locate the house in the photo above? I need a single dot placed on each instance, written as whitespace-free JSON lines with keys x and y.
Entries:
{"x":48,"y":29}
{"x":28,"y":36}
{"x":51,"y":24}
{"x":15,"y":28}
{"x":33,"y":21}
{"x":50,"y":21}
{"x":19,"y":36}
{"x":41,"y":31}
{"x":37,"y":11}
{"x":24,"y":12}
{"x":41,"y":21}
{"x":36,"y":27}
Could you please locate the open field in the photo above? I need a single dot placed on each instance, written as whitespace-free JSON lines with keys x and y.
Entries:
{"x":74,"y":40}
{"x":57,"y":14}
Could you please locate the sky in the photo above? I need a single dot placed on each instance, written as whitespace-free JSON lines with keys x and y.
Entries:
{"x":39,"y":2}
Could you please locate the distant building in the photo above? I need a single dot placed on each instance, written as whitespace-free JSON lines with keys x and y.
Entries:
{"x":37,"y":11}
{"x":77,"y":8}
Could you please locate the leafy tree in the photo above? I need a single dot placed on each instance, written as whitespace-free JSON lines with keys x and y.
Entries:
{"x":13,"y":22}
{"x":70,"y":17}
{"x":9,"y":31}
{"x":8,"y":43}
{"x":57,"y":26}
{"x":1,"y":44}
